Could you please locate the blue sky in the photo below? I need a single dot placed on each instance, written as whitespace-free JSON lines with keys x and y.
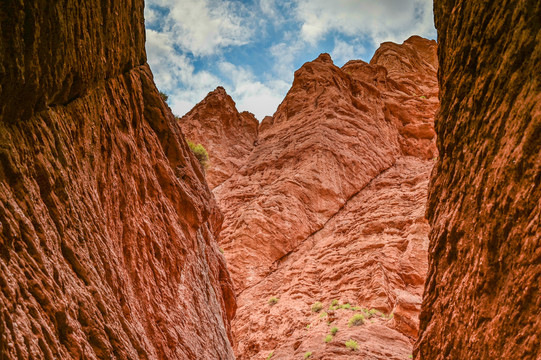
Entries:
{"x":253,"y":47}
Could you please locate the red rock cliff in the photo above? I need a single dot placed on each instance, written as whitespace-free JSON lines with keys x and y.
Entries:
{"x":482,"y":298}
{"x":107,"y":227}
{"x":329,"y":205}
{"x":226,"y":134}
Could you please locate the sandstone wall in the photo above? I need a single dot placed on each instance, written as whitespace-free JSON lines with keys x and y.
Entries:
{"x":107,"y":227}
{"x":482,"y":298}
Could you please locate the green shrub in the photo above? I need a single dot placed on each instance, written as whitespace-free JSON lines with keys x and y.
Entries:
{"x":221,"y":250}
{"x":323,"y":314}
{"x":317,"y":306}
{"x":356,"y":320}
{"x":346,"y":306}
{"x":270,"y":355}
{"x":200,"y":153}
{"x":372,"y":312}
{"x":422,"y":97}
{"x":328,"y":338}
{"x":352,"y":344}
{"x":308,"y":354}
{"x":334,"y":302}
{"x":164,"y":96}
{"x":273,"y":300}
{"x":308,"y":327}
{"x":334,"y":330}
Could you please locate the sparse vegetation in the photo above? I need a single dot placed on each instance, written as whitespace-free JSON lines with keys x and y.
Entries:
{"x":352,"y":344}
{"x":334,"y":302}
{"x":323,"y":314}
{"x":328,"y":338}
{"x":317,"y":306}
{"x":270,"y":355}
{"x":273,"y":300}
{"x":372,"y":312}
{"x":346,"y":306}
{"x":308,"y":354}
{"x":334,"y":330}
{"x":164,"y":96}
{"x":200,"y":153}
{"x":308,"y":327}
{"x":422,"y":97}
{"x":356,"y":320}
{"x":221,"y":250}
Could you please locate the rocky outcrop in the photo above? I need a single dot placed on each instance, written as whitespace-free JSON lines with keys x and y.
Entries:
{"x":107,"y":228}
{"x":482,"y":295}
{"x":329,"y":205}
{"x":371,"y":255}
{"x":328,"y":139}
{"x":227,"y":135}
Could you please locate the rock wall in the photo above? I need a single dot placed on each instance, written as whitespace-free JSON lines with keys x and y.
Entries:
{"x":482,"y":295}
{"x":107,"y":227}
{"x":329,"y":205}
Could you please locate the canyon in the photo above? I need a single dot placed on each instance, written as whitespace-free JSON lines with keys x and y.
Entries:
{"x":308,"y":235}
{"x":328,"y":204}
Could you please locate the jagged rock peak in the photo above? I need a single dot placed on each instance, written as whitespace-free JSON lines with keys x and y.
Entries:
{"x":324,"y":57}
{"x":227,"y":135}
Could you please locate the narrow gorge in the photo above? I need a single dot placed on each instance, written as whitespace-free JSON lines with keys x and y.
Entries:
{"x":386,"y":210}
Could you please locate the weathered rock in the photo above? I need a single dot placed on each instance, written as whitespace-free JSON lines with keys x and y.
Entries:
{"x":328,"y":139}
{"x":482,"y":298}
{"x":107,"y":227}
{"x":330,"y":205}
{"x":227,"y":135}
{"x":371,"y":254}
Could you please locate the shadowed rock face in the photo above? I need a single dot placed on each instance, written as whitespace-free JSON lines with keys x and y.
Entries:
{"x":482,"y":296}
{"x":227,"y":135}
{"x":330,"y":204}
{"x":107,"y":227}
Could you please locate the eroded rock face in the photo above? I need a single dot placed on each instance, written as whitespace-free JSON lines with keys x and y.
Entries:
{"x":107,"y":227}
{"x":329,"y":205}
{"x":371,"y":254}
{"x":227,"y":135}
{"x":482,"y":296}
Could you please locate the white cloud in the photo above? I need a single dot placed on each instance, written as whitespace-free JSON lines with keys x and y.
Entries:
{"x":344,"y":51}
{"x":384,"y":20}
{"x":175,"y":74}
{"x":203,"y":27}
{"x":250,"y":94}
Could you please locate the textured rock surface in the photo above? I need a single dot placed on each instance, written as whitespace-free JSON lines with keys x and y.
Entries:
{"x":482,"y":298}
{"x":371,"y":254}
{"x":227,"y":135}
{"x":325,"y":144}
{"x":107,"y":227}
{"x":330,"y":205}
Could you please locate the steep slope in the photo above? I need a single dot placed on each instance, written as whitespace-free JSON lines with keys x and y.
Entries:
{"x":328,"y":139}
{"x":226,"y":134}
{"x":107,"y":227}
{"x":371,"y":252}
{"x":329,"y":206}
{"x":482,"y":298}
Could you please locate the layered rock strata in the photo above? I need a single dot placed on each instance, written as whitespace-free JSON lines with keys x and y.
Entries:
{"x":482,"y":298}
{"x":107,"y":227}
